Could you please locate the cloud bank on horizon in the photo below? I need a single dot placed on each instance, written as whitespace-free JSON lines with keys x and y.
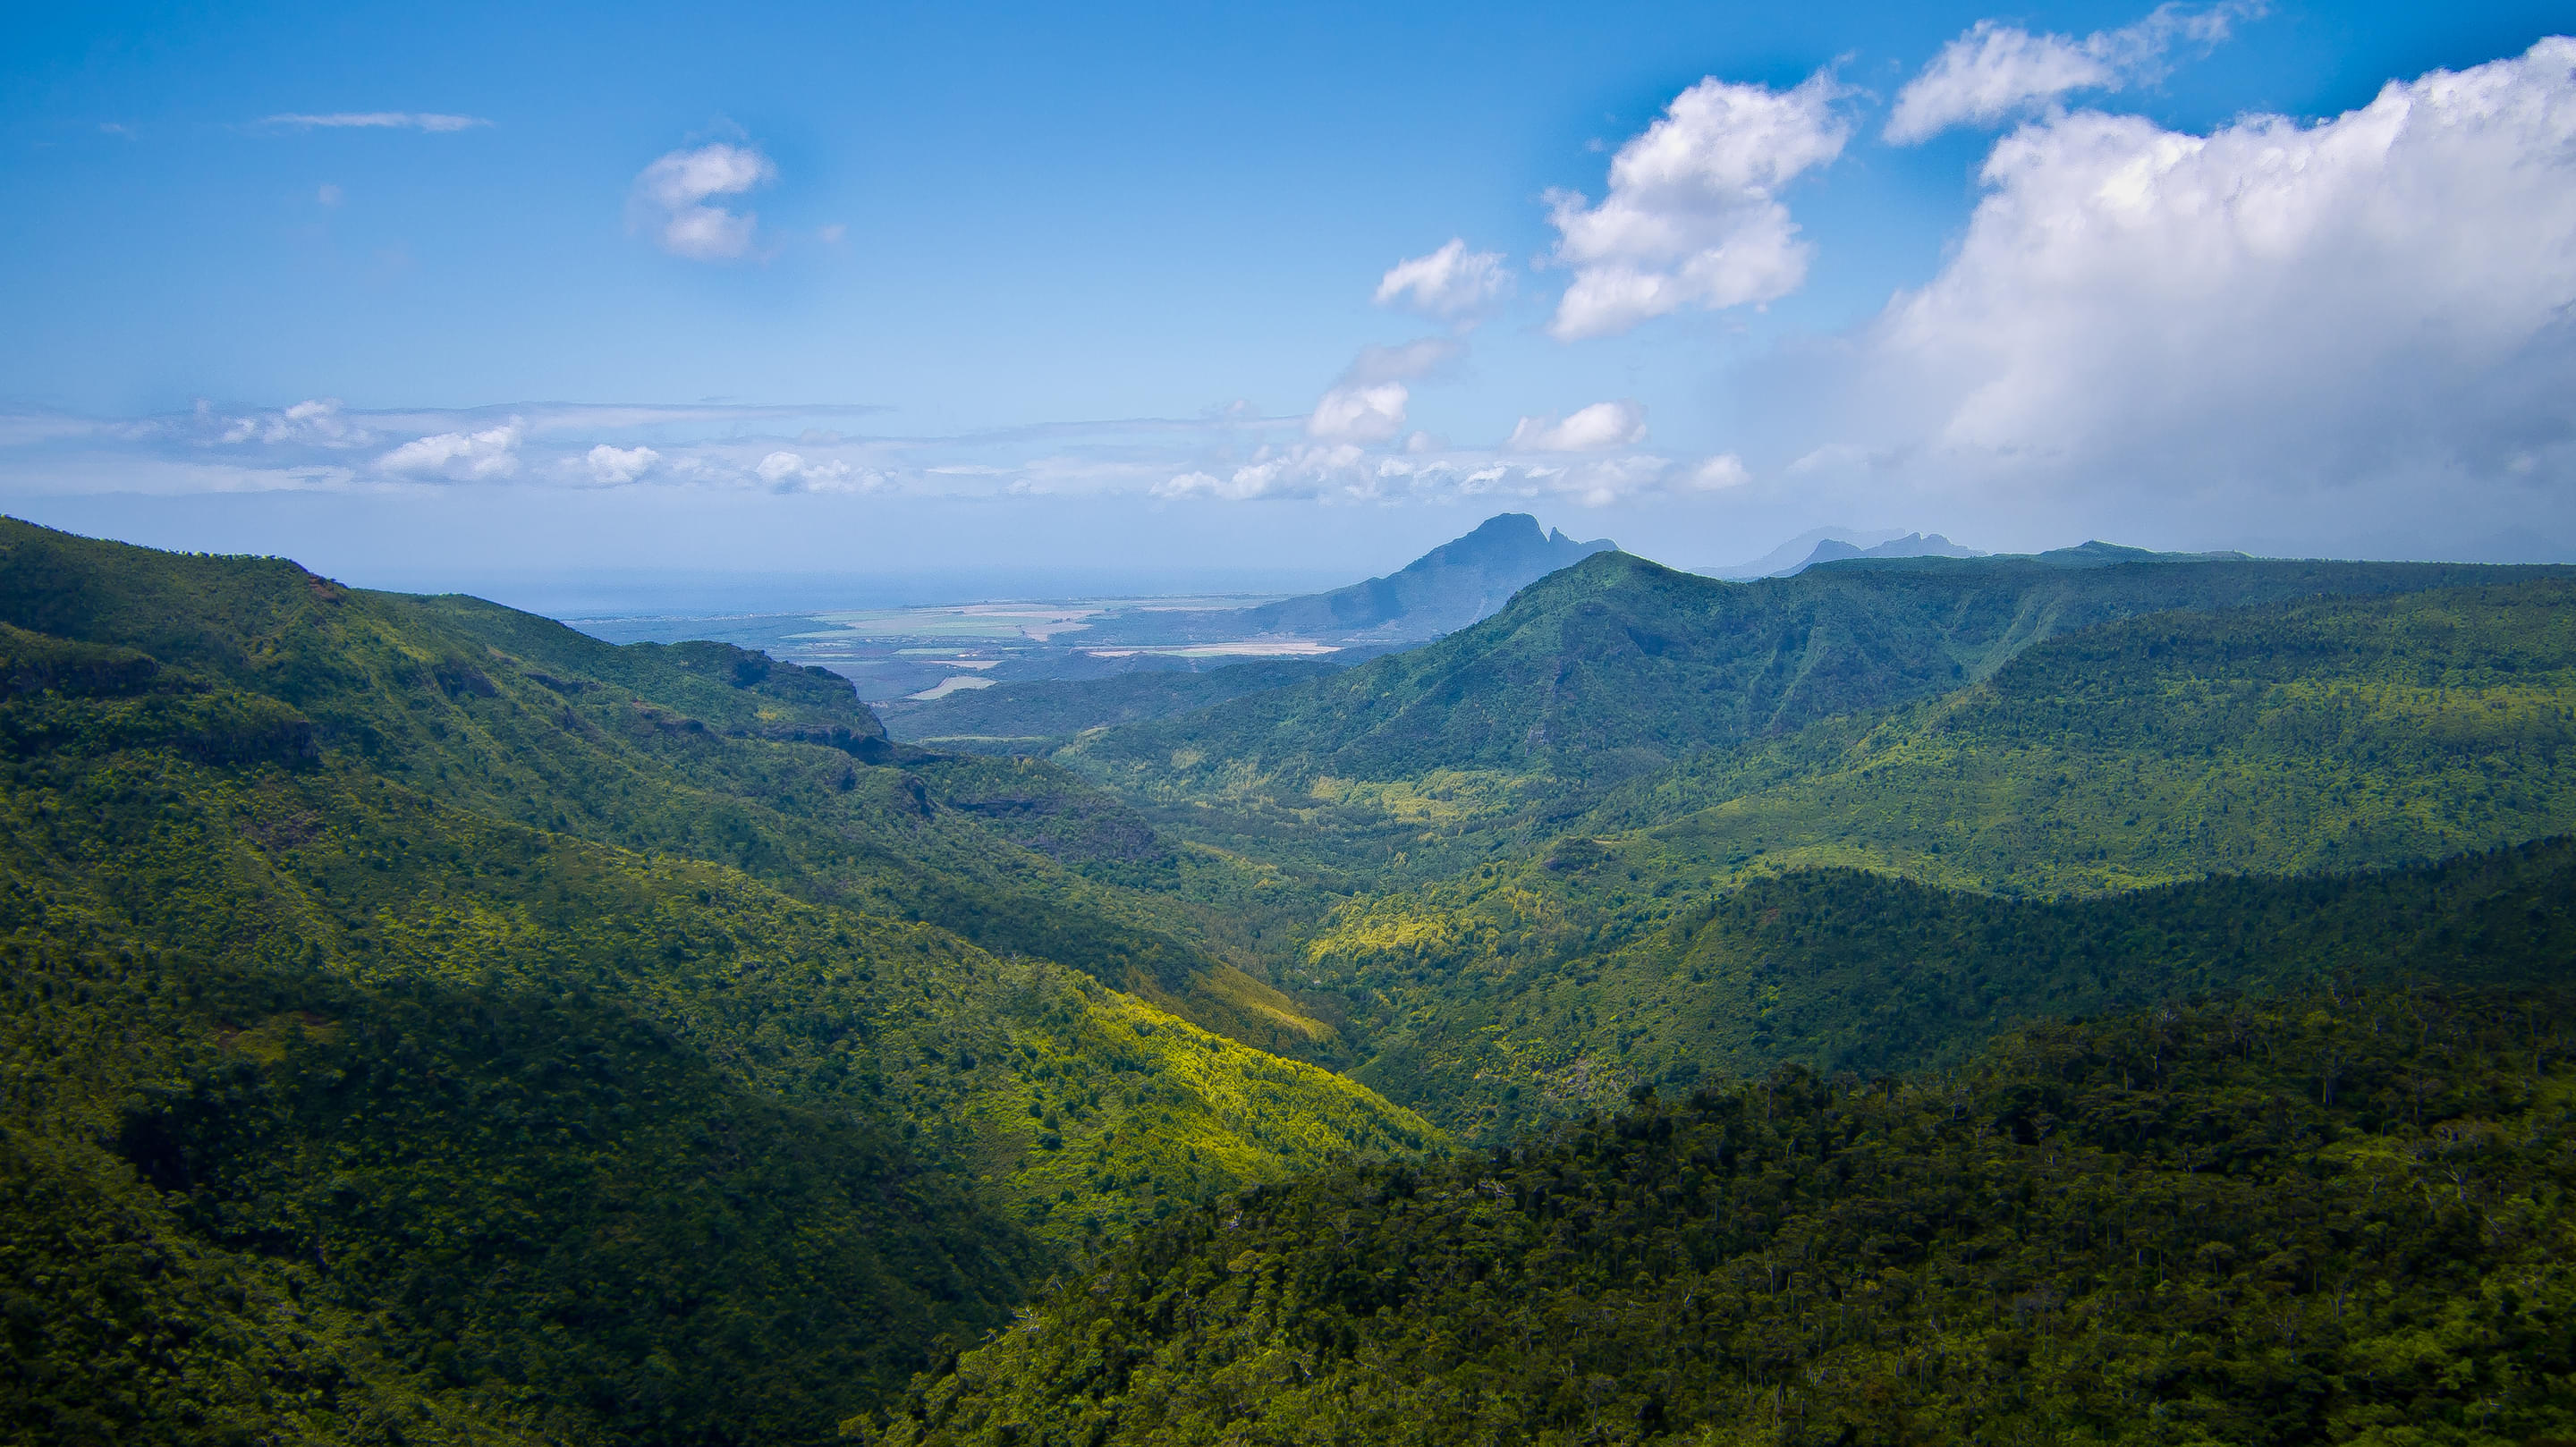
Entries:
{"x":2371,"y":308}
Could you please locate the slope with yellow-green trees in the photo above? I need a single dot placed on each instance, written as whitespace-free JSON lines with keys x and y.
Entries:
{"x":2318,"y":1217}
{"x":2295,"y":739}
{"x":698,"y":749}
{"x":406,"y":1042}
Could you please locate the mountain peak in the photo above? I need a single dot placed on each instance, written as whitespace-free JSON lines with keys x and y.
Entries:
{"x":1461,"y":581}
{"x":1504,"y":538}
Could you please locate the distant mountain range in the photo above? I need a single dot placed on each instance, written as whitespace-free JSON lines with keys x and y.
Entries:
{"x":1458,"y":583}
{"x":1620,"y":664}
{"x":1834,"y":545}
{"x":1912,"y":545}
{"x":915,"y":658}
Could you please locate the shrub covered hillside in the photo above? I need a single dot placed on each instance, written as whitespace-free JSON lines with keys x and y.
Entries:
{"x":1490,"y":1025}
{"x":2346,"y":734}
{"x":2319,"y":1219}
{"x":336,"y":1106}
{"x":251,"y":1205}
{"x":2332,"y":734}
{"x":697,"y":749}
{"x":1617,"y":667}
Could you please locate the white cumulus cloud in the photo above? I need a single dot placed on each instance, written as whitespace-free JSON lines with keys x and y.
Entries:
{"x":617,"y":466}
{"x":672,"y":197}
{"x":2381,"y":305}
{"x":463,"y":456}
{"x":1995,"y":70}
{"x":1451,"y":284}
{"x":1593,"y":429}
{"x":1692,"y":217}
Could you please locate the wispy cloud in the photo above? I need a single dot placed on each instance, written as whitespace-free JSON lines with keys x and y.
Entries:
{"x":786,"y":471}
{"x":375,"y":120}
{"x":1996,"y":70}
{"x":321,"y":422}
{"x":1230,"y":455}
{"x":1451,"y":284}
{"x":1596,"y":428}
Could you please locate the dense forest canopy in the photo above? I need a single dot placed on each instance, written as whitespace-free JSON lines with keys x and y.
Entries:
{"x":423,"y":1022}
{"x":570,"y":1042}
{"x":2321,"y":1217}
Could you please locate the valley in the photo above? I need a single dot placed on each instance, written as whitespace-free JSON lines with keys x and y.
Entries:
{"x":1662,"y":725}
{"x":430,"y":1020}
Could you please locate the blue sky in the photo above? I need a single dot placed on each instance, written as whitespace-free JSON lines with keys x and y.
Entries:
{"x":985,"y":287}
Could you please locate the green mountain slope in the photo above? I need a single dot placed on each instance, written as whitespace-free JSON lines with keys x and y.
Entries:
{"x":1519,"y":1007}
{"x":2333,"y":734}
{"x":1617,"y":664}
{"x":695,"y":749}
{"x":2328,"y":1219}
{"x":1635,"y":695}
{"x":247,"y":1205}
{"x":334,"y":1101}
{"x":2338,"y":733}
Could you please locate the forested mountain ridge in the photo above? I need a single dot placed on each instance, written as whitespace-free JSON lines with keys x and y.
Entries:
{"x":1520,"y":1009}
{"x":2317,"y":1218}
{"x":341,"y":1103}
{"x":426,"y":1023}
{"x":2283,"y":740}
{"x":697,"y":749}
{"x":2341,"y":732}
{"x":1616,"y":668}
{"x":1617,"y":654}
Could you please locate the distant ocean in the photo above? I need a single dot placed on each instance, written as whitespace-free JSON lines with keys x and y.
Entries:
{"x":650,"y":593}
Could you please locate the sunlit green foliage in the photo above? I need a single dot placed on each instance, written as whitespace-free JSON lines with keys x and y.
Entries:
{"x":340,"y":1108}
{"x":1509,"y":1011}
{"x":252,"y":1202}
{"x":2333,"y":734}
{"x":2336,"y":734}
{"x":1616,"y":667}
{"x":2317,"y":1219}
{"x":424,"y":1023}
{"x":695,"y":749}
